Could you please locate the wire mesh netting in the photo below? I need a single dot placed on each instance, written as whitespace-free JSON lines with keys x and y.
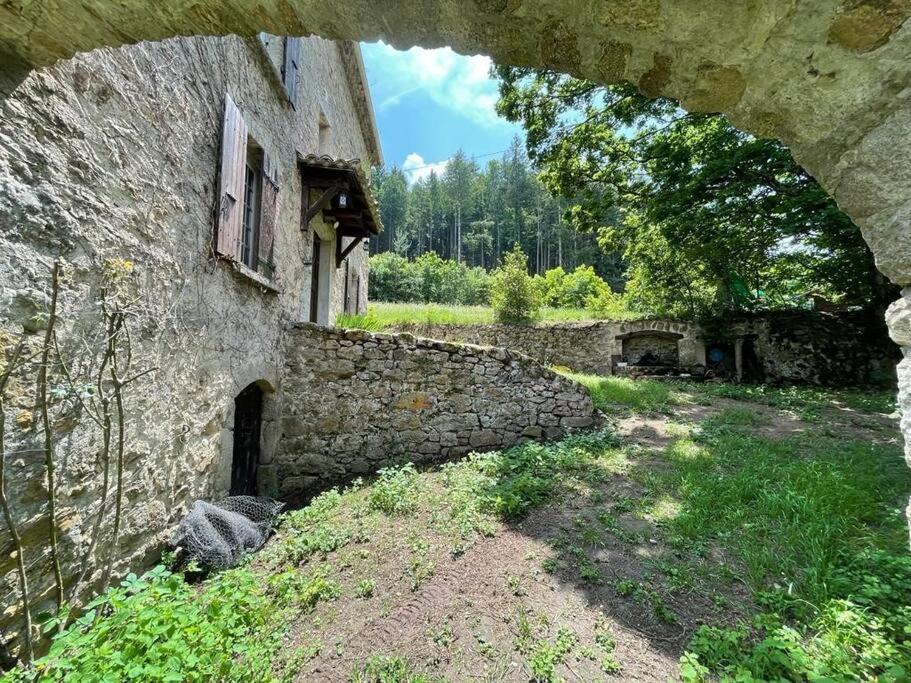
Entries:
{"x":218,"y":535}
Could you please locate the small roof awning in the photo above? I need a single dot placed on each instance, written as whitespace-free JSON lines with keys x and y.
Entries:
{"x":345,"y":196}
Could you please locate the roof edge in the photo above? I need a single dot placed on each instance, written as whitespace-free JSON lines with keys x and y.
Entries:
{"x":350,"y":52}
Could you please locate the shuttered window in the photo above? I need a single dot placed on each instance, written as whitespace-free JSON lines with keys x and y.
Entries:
{"x":248,"y":197}
{"x":268,"y":216}
{"x":291,"y":68}
{"x":231,"y":193}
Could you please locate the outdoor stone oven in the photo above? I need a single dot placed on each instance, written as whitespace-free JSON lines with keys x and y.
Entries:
{"x":651,"y":348}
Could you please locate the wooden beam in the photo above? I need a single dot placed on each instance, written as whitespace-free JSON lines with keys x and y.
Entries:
{"x":305,"y":206}
{"x":341,"y":255}
{"x":326,"y":197}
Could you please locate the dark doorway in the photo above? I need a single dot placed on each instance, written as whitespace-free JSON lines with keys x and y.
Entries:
{"x":314,"y":281}
{"x":751,"y":368}
{"x":248,"y":420}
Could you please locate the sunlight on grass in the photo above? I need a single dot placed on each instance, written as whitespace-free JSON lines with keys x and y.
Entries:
{"x":664,"y":508}
{"x":804,"y":400}
{"x":812,"y":524}
{"x":609,"y":393}
{"x":393,"y":314}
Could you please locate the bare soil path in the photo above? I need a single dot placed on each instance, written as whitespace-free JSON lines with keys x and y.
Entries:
{"x":587,"y":582}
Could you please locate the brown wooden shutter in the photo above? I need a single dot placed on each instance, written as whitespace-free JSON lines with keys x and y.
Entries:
{"x":268,"y":214}
{"x":290,"y":72}
{"x":231,"y":185}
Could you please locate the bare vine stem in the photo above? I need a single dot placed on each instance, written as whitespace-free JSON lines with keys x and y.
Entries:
{"x":7,"y":511}
{"x":48,"y":441}
{"x":100,"y":413}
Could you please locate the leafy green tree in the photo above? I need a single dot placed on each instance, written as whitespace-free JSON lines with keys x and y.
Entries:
{"x":392,"y":278}
{"x":513,"y":295}
{"x":715,"y":219}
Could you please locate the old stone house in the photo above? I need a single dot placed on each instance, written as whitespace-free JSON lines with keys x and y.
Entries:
{"x":227,"y":178}
{"x":214,"y":192}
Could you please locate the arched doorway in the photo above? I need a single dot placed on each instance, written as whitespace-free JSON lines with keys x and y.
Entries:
{"x":248,"y":424}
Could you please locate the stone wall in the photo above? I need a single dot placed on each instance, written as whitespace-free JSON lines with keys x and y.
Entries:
{"x":355,"y":401}
{"x":803,"y":347}
{"x":849,"y":348}
{"x":590,"y":347}
{"x":114,"y":155}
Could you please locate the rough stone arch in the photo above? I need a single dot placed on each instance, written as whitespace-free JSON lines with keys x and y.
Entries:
{"x":830,"y":78}
{"x":266,"y":378}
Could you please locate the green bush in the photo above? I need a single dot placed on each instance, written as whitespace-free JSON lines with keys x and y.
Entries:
{"x":427,"y":279}
{"x":560,"y":289}
{"x":513,"y":294}
{"x":159,"y":628}
{"x":396,"y":490}
{"x":392,"y":278}
{"x":608,"y":305}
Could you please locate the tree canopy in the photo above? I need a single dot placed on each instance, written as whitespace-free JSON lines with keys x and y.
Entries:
{"x":708,"y":218}
{"x":474,"y":215}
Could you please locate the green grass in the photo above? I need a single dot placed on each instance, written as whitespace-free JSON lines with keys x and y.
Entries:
{"x":611,"y":393}
{"x":812,"y":525}
{"x":381,"y":315}
{"x":816,"y":525}
{"x":800,"y":399}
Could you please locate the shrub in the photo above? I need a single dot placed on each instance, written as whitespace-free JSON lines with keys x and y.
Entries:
{"x":608,"y":305}
{"x":427,"y":279}
{"x":158,"y":628}
{"x":513,"y":295}
{"x":396,"y":490}
{"x":392,"y":278}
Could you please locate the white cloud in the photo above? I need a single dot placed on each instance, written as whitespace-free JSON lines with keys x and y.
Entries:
{"x":415,"y":168}
{"x":460,"y":84}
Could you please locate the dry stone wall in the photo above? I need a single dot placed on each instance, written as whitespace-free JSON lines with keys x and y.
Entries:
{"x":850,"y":348}
{"x":847,"y":348}
{"x":583,"y":347}
{"x":355,"y":401}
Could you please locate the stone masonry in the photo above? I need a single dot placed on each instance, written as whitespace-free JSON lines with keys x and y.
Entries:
{"x":847,"y":348}
{"x":830,"y":78}
{"x":355,"y":401}
{"x":583,"y":347}
{"x":114,"y":156}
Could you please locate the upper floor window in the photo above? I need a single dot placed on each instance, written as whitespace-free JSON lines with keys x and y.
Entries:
{"x":284,"y":54}
{"x":248,"y":194}
{"x":252,"y":207}
{"x":291,"y":68}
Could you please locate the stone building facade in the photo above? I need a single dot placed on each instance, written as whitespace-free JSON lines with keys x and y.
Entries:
{"x":135,"y":164}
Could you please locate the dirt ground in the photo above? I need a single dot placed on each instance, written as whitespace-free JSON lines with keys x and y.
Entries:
{"x":485,"y":613}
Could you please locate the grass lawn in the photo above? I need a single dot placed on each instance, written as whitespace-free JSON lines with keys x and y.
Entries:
{"x":381,"y":315}
{"x":706,"y":533}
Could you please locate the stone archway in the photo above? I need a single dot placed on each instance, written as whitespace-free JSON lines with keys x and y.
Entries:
{"x":830,"y":78}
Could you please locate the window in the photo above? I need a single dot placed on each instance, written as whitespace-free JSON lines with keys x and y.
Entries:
{"x":291,"y":68}
{"x":252,"y":208}
{"x":247,"y":210}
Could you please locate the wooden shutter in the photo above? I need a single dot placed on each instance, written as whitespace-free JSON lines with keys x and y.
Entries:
{"x":290,"y":72}
{"x":231,"y":183}
{"x":268,"y":213}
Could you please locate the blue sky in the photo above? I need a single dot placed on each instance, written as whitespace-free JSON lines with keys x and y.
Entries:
{"x":429,"y":103}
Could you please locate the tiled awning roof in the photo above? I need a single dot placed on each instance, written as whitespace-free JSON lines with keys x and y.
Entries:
{"x":361,"y":216}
